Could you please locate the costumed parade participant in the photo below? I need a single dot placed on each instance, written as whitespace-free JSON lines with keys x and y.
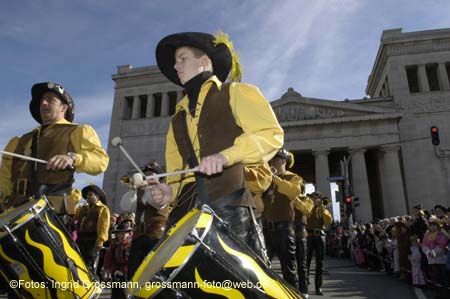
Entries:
{"x":316,"y":222}
{"x":218,"y":126}
{"x":278,"y":215}
{"x":42,"y":163}
{"x":67,"y":146}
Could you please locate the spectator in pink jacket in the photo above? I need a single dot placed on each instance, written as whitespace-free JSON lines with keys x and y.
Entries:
{"x":433,"y":245}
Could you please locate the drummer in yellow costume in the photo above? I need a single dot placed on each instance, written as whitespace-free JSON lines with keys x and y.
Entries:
{"x":318,"y":218}
{"x":303,"y":207}
{"x":227,"y":125}
{"x":68,"y":147}
{"x":279,"y":213}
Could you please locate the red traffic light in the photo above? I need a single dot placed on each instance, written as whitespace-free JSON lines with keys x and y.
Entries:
{"x":435,"y":135}
{"x":348,"y":199}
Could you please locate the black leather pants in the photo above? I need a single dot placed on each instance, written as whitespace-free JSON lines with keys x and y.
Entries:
{"x":241,"y":225}
{"x":280,"y":240}
{"x":316,"y":244}
{"x":239,"y":221}
{"x":300,"y":253}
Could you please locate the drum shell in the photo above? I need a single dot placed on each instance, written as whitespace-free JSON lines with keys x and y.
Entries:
{"x":219,"y":258}
{"x":39,"y":251}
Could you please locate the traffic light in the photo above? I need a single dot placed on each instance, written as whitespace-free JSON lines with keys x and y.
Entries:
{"x":435,"y":135}
{"x":348,"y":205}
{"x":355,"y":202}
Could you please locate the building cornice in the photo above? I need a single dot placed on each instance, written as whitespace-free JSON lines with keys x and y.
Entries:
{"x":395,"y":42}
{"x":347,"y":119}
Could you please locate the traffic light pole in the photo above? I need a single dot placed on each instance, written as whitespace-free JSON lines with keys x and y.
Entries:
{"x":345,"y":174}
{"x":441,"y":153}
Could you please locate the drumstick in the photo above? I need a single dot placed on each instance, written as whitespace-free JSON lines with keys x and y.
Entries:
{"x":139,"y":180}
{"x":24,"y":157}
{"x":117,"y":141}
{"x":31,"y":159}
{"x":160,"y":175}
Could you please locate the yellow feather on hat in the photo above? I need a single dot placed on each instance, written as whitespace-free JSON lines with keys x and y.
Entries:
{"x":291,"y":162}
{"x":236,"y":68}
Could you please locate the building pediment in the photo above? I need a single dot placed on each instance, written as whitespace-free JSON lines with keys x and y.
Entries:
{"x":292,"y":107}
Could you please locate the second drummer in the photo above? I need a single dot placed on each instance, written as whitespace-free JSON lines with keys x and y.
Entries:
{"x":218,"y":126}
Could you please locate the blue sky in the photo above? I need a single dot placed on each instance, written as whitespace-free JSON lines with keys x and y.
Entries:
{"x":321,"y":48}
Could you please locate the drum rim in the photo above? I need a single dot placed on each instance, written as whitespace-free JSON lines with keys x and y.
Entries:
{"x":198,"y":244}
{"x":174,"y":273}
{"x":29,"y":210}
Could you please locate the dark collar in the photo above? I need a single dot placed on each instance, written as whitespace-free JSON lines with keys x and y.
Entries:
{"x":193,"y":88}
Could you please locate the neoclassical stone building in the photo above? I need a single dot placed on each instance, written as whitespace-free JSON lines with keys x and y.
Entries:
{"x":385,"y":136}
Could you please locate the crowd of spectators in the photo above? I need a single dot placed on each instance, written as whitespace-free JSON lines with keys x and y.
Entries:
{"x":413,"y":248}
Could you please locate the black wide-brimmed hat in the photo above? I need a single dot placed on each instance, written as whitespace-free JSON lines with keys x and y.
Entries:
{"x":121,"y":228}
{"x":97,"y":190}
{"x":418,"y":207}
{"x":316,"y":194}
{"x":440,"y":207}
{"x":153,"y":166}
{"x":286,"y":155}
{"x":218,"y":48}
{"x":39,"y":89}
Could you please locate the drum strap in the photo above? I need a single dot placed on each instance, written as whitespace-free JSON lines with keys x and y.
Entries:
{"x":260,"y":234}
{"x":193,"y":162}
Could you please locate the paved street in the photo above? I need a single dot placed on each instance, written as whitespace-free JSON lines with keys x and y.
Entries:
{"x":342,"y":279}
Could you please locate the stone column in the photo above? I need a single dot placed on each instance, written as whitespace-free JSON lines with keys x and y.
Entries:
{"x":322,"y":171}
{"x":150,"y":106}
{"x":360,"y":185}
{"x":443,"y":77}
{"x":165,"y":104}
{"x":394,"y":201}
{"x":423,"y":80}
{"x":136,"y":107}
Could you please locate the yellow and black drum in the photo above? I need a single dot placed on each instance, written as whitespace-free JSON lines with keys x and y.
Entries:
{"x":198,"y":258}
{"x":37,"y":257}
